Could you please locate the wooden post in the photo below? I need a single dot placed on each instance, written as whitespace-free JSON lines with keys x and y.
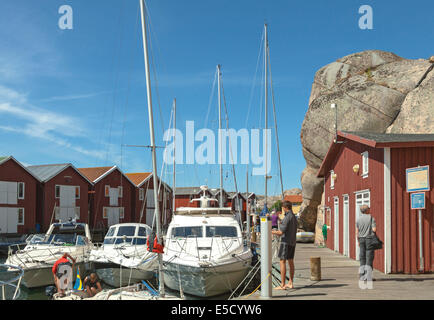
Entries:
{"x":315,"y":268}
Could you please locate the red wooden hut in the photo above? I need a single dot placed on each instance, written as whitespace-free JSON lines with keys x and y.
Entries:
{"x":370,"y":168}
{"x":18,"y":187}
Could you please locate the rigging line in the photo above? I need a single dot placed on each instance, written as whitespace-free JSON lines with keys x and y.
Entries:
{"x":227,"y":127}
{"x":254,"y":80}
{"x":162,"y":173}
{"x":116,"y":81}
{"x":105,"y":113}
{"x":275,"y":121}
{"x":210,"y":99}
{"x":262,"y":103}
{"x":152,"y":56}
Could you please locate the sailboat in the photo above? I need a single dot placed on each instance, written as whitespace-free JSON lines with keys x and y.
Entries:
{"x":139,"y":291}
{"x":205,"y":252}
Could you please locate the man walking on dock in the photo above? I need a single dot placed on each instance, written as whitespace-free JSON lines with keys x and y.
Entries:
{"x":288,"y":232}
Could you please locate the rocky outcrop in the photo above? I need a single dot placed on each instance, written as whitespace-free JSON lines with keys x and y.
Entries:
{"x":375,"y":91}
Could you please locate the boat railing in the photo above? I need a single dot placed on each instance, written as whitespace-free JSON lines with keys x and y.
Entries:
{"x":13,"y":283}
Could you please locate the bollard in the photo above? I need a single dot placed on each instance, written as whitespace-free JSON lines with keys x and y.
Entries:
{"x":315,"y":268}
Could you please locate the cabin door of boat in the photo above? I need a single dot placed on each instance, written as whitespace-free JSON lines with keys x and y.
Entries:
{"x":67,"y":203}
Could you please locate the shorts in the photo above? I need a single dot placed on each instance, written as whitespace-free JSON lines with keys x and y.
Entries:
{"x":286,"y":252}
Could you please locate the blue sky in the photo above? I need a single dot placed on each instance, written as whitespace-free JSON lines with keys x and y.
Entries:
{"x":77,"y":95}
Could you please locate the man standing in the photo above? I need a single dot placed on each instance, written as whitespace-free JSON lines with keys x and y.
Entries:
{"x":288,"y":232}
{"x":365,"y":225}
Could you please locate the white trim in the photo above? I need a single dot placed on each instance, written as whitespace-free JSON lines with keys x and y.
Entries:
{"x":346,"y":224}
{"x":336,"y":223}
{"x":55,"y":191}
{"x":362,"y":191}
{"x":387,"y":213}
{"x":365,"y":168}
{"x":24,"y":214}
{"x":24,"y":190}
{"x":332,"y":181}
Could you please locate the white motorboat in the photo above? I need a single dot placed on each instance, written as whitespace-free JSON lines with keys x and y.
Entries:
{"x":124,"y":258}
{"x":39,"y":255}
{"x":205,"y":253}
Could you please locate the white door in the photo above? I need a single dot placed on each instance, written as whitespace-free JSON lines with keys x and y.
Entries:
{"x":8,"y":220}
{"x":336,"y":224}
{"x":114,"y":196}
{"x":67,"y":203}
{"x":3,"y":220}
{"x":12,"y":192}
{"x":362,"y":198}
{"x":112,"y":216}
{"x":12,"y":220}
{"x":346,"y":226}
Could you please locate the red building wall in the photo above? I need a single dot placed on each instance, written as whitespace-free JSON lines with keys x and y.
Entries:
{"x":68,"y":177}
{"x":10,"y":171}
{"x":348,"y":182}
{"x":138,"y":204}
{"x":114,"y":180}
{"x":405,"y":226}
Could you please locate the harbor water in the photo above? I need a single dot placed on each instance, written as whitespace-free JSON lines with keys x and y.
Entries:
{"x":39,"y":293}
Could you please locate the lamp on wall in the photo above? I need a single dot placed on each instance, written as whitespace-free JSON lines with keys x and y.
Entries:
{"x":334,"y":176}
{"x":356,"y":168}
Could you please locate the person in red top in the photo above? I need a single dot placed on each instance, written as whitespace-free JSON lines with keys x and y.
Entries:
{"x":59,"y":272}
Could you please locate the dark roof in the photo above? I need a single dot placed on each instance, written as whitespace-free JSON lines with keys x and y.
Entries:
{"x":381,"y":138}
{"x":375,"y":140}
{"x":47,"y":171}
{"x":187,"y":190}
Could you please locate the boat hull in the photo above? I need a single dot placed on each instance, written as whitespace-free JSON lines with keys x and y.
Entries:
{"x":206,"y":281}
{"x":40,"y":277}
{"x":112,"y":275}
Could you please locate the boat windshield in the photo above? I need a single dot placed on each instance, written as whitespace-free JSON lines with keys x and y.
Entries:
{"x":221,"y":231}
{"x":184,"y":232}
{"x":128,"y":231}
{"x":59,"y":239}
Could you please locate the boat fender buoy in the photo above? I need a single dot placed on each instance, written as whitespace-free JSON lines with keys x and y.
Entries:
{"x":154,"y":246}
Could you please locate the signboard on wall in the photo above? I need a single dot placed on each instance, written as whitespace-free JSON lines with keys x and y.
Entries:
{"x":417,"y":200}
{"x":417,"y":179}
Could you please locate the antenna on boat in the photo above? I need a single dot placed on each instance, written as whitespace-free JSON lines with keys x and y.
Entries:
{"x":152,"y":137}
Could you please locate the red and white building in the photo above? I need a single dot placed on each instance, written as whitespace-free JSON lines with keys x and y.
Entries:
{"x":111,"y":197}
{"x":62,"y":194}
{"x":18,"y":206}
{"x":143,"y":200}
{"x":370,"y":168}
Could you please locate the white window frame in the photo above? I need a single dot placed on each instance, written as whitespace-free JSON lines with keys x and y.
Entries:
{"x":332,"y":181}
{"x":18,"y":213}
{"x":365,"y":164}
{"x":24,"y":190}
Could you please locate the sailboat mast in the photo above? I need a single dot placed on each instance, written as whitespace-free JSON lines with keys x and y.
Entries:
{"x":266,"y":110}
{"x":152,"y":137}
{"x":220,"y":138}
{"x":174,"y":155}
